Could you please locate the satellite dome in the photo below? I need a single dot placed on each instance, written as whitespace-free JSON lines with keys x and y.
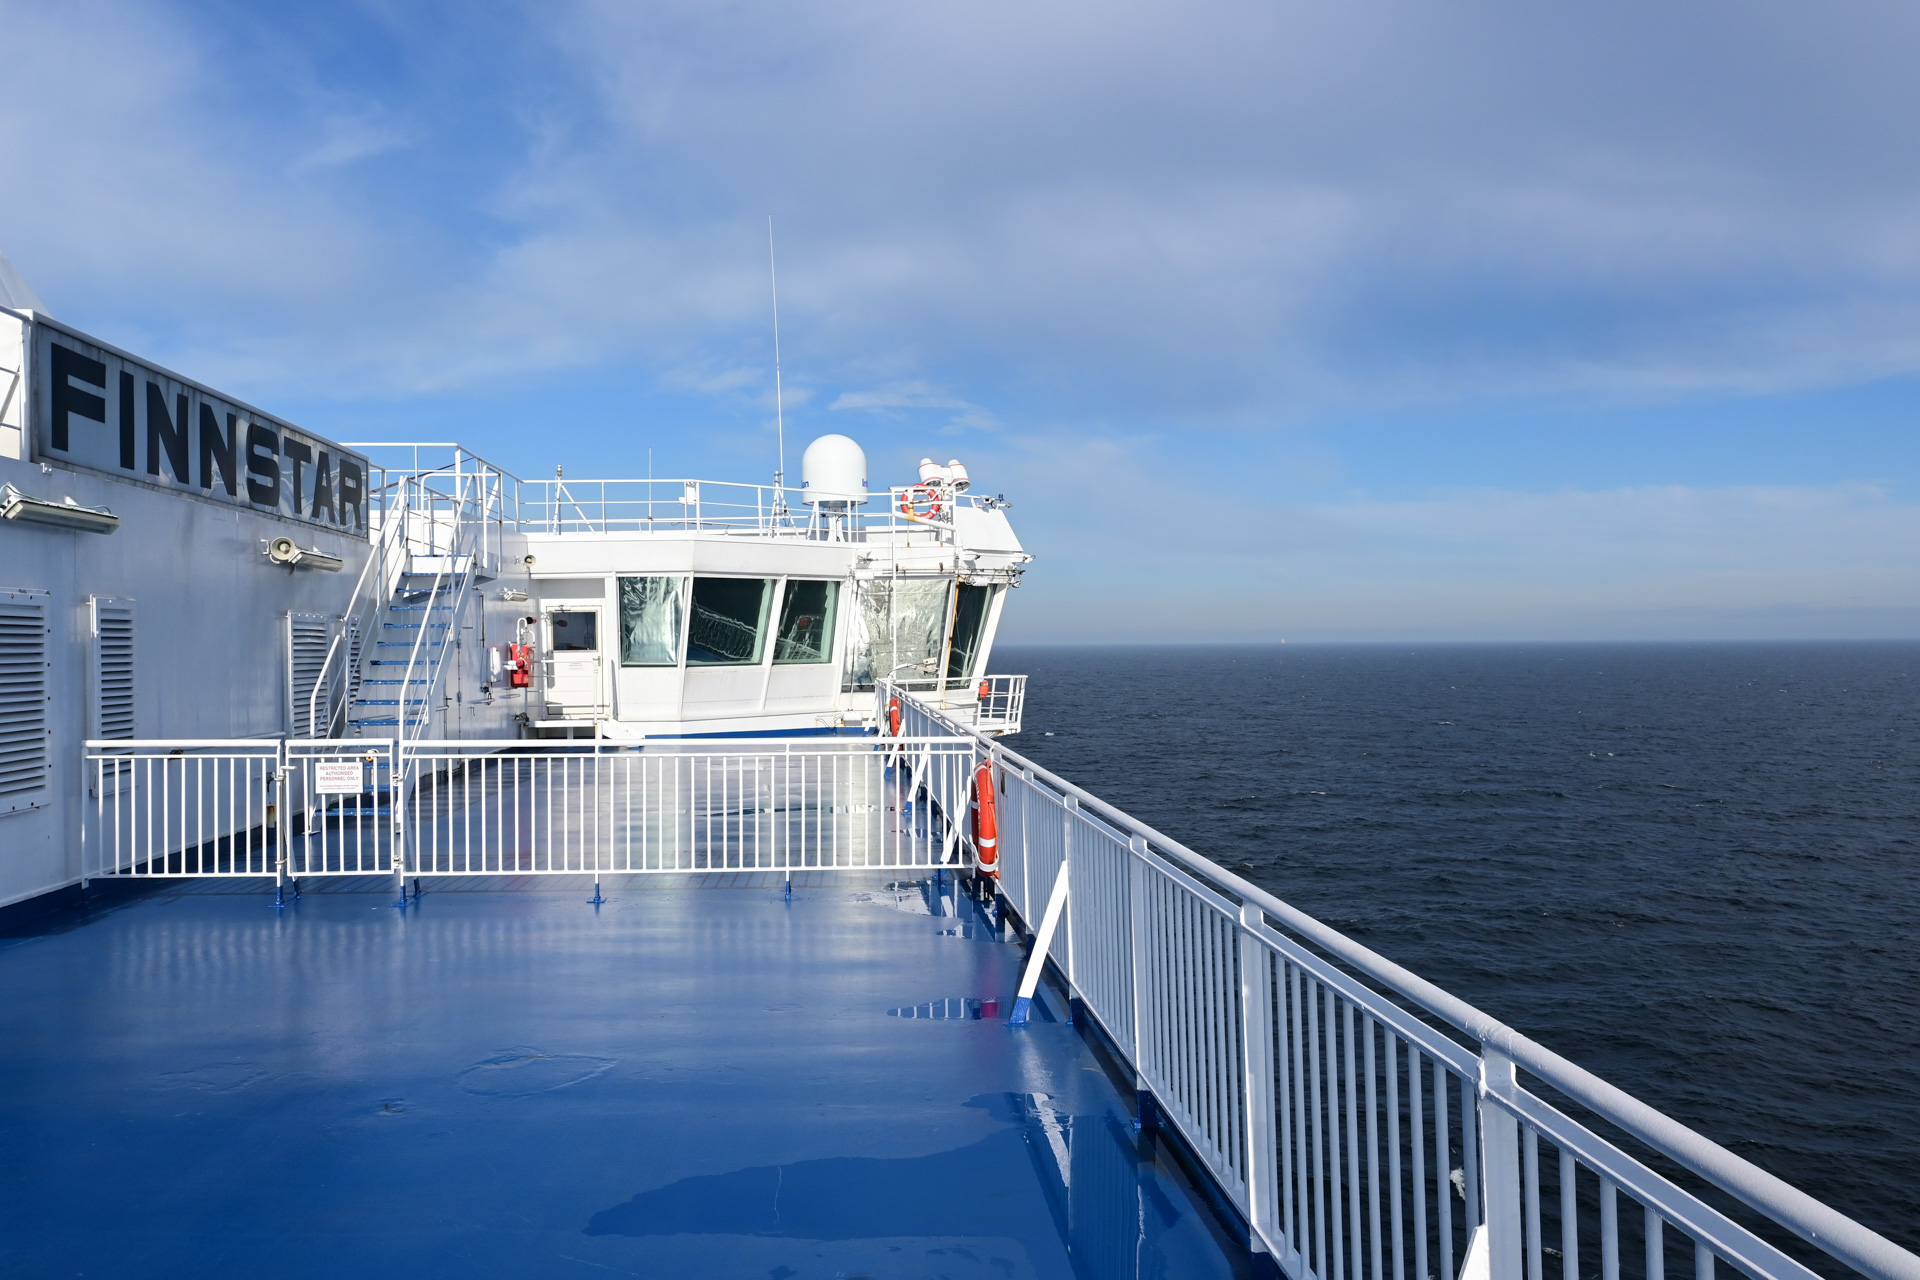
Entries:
{"x":833,"y":470}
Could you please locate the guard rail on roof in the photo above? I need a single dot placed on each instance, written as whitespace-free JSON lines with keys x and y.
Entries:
{"x":450,"y":478}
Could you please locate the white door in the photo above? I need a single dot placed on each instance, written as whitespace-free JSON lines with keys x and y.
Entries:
{"x":574,"y":638}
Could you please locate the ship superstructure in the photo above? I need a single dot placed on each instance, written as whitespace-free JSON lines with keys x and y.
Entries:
{"x":630,"y":609}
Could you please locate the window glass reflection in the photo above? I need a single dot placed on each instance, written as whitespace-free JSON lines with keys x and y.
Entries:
{"x":806,"y":622}
{"x":897,"y":631}
{"x":728,"y":622}
{"x":650,"y":614}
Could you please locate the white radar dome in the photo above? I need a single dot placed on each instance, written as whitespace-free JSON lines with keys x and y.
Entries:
{"x":833,"y":469}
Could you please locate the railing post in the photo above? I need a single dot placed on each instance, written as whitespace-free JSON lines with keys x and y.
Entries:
{"x":1026,"y":854}
{"x":397,"y":805}
{"x":282,"y":779}
{"x":1256,"y":1023}
{"x":1500,"y":1166}
{"x":1137,"y":873}
{"x":1069,"y":819}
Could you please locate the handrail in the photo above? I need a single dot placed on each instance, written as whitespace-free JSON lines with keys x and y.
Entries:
{"x":413,"y":654}
{"x":319,"y":682}
{"x":1850,"y":1242}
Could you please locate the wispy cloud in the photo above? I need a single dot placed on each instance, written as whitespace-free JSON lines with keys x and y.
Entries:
{"x":1109,"y":245}
{"x":1210,"y":215}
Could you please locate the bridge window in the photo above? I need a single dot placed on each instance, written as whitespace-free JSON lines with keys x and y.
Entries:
{"x":806,"y":622}
{"x":729,"y":621}
{"x":969,"y":625}
{"x":650,"y":618}
{"x":897,"y":631}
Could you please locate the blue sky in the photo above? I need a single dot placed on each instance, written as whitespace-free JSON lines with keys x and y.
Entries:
{"x":1273,"y":320}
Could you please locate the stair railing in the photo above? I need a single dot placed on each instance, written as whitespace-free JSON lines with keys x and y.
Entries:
{"x":459,"y":540}
{"x":371,"y":593}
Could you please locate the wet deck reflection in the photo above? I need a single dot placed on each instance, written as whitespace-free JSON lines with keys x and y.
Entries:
{"x":680,"y":1082}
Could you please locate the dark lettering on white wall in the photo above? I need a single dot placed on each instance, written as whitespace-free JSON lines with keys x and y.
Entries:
{"x":216,"y":448}
{"x":263,"y":466}
{"x":301,"y":455}
{"x":155,"y":420}
{"x":323,"y":488}
{"x":353,"y":494}
{"x":166,"y":431}
{"x":68,"y":399}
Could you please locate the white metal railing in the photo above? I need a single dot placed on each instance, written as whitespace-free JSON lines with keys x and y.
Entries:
{"x":206,"y":807}
{"x":1358,"y":1115}
{"x":340,"y":798}
{"x":451,"y":479}
{"x":439,"y":489}
{"x":682,"y":806}
{"x":711,"y":507}
{"x":320,"y":807}
{"x":1000,"y":704}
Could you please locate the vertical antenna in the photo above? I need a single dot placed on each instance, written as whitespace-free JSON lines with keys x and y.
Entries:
{"x":779,"y":414}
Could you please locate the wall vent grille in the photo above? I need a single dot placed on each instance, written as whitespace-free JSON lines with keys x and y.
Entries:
{"x":308,"y":638}
{"x":113,"y":670}
{"x":23,"y":700}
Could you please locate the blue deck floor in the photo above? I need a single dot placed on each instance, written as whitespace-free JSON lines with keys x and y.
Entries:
{"x":501,"y":1080}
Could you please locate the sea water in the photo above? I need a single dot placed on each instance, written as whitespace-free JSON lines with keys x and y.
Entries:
{"x":1690,"y":868}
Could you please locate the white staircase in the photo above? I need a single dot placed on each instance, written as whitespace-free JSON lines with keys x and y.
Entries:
{"x":400,"y":672}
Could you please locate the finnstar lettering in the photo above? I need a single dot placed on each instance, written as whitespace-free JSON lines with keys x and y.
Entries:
{"x":108,"y":412}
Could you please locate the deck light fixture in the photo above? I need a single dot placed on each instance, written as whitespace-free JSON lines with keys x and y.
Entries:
{"x":15,"y":505}
{"x":291,"y":554}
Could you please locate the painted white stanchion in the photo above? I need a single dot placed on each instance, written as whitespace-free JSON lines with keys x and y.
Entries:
{"x":1030,"y":980}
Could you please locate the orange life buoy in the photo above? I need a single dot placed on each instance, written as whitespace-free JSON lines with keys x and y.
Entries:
{"x":986,"y":690}
{"x":893,"y":717}
{"x":915,"y":496}
{"x":986,"y":825}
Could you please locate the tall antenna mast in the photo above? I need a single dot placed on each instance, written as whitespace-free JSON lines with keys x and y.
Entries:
{"x":779,"y":409}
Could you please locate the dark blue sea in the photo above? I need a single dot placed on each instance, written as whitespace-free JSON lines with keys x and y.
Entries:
{"x":1693,"y":869}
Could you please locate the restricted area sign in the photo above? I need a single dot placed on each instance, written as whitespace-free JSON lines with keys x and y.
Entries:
{"x":337,"y":777}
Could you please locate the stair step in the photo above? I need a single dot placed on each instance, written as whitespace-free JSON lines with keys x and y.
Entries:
{"x":415,"y":680}
{"x":388,"y":702}
{"x":408,"y":644}
{"x":376,"y":723}
{"x":415,"y":626}
{"x":430,"y":663}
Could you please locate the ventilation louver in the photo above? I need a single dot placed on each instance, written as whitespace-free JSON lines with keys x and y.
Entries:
{"x":23,"y":701}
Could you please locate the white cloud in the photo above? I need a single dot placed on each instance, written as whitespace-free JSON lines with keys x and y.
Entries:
{"x":1216,"y":214}
{"x":901,"y":395}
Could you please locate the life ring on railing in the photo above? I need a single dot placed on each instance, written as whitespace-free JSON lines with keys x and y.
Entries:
{"x":986,"y":824}
{"x":986,"y":690}
{"x":893,"y":717}
{"x":915,"y":496}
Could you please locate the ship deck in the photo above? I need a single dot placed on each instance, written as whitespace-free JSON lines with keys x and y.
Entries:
{"x":501,"y":1079}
